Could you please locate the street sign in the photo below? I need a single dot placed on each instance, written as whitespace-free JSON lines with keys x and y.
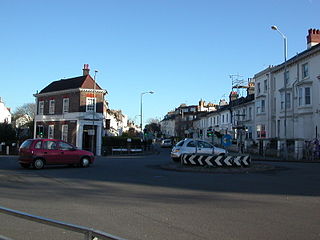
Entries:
{"x":226,"y":140}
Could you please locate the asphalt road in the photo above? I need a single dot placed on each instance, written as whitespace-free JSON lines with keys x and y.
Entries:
{"x":133,"y":198}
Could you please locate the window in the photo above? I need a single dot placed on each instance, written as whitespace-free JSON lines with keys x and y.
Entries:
{"x":40,"y":131}
{"x":263,"y":105}
{"x":265,"y":85}
{"x":258,"y":106}
{"x":259,"y":88}
{"x":223,"y":118}
{"x":91,"y":104}
{"x":261,"y":131}
{"x":51,"y":106}
{"x":64,"y":133}
{"x":191,"y":144}
{"x":286,"y":78}
{"x":65,"y":146}
{"x":244,"y":114}
{"x":50,"y":131}
{"x":38,"y":145}
{"x":288,"y":100}
{"x":51,"y":145}
{"x":305,"y":70}
{"x":307,"y":96}
{"x":300,"y":96}
{"x":282,"y":101}
{"x":227,"y":115}
{"x":204,"y":145}
{"x":40,"y":108}
{"x":65,"y":105}
{"x":250,"y":113}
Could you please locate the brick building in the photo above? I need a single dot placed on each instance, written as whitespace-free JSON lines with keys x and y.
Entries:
{"x":72,"y":110}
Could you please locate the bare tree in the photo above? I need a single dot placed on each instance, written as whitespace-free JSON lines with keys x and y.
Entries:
{"x":27,"y":109}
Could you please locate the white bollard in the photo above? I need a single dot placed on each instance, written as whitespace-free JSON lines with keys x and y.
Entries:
{"x":7,"y":150}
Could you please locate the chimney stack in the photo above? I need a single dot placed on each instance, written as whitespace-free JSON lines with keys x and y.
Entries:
{"x":233,"y":96}
{"x":313,"y":37}
{"x":86,"y":69}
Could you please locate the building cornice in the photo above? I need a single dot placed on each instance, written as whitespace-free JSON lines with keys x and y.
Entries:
{"x":70,"y":91}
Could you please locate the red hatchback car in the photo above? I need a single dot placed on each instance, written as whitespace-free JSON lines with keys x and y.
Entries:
{"x":39,"y":152}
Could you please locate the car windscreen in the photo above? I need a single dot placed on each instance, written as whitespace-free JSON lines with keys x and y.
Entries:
{"x":26,"y":144}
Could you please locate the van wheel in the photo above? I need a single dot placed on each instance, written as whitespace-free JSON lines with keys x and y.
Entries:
{"x":38,"y":163}
{"x":85,"y":162}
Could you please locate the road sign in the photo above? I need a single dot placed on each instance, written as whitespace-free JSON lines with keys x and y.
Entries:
{"x":226,"y":140}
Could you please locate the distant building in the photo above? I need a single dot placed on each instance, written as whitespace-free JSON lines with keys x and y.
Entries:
{"x":72,"y":110}
{"x":116,"y":123}
{"x":5,"y":114}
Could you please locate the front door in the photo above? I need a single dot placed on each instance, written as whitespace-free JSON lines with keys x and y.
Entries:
{"x":89,"y":138}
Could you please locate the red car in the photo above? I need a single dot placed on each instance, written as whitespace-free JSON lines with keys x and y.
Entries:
{"x":39,"y":152}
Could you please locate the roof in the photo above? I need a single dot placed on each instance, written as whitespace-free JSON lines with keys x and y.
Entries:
{"x":71,"y":83}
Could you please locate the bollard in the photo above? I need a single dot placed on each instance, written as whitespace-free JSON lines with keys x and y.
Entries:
{"x":7,"y":150}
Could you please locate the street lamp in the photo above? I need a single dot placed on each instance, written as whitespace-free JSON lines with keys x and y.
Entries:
{"x":151,"y":92}
{"x":285,"y":46}
{"x":94,"y":103}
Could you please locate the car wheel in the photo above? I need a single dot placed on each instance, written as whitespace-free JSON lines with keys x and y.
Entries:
{"x":85,"y":162}
{"x":25,"y":165}
{"x":38,"y":163}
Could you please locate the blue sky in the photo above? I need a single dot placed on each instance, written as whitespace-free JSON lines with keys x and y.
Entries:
{"x":184,"y":50}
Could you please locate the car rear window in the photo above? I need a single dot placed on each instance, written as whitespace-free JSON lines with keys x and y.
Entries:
{"x":26,"y":144}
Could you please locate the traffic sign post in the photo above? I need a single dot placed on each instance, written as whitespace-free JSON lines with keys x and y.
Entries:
{"x":226,"y":140}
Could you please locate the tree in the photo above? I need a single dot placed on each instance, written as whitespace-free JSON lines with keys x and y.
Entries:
{"x":7,"y":133}
{"x":23,"y":118}
{"x":26,"y":111}
{"x":153,"y":126}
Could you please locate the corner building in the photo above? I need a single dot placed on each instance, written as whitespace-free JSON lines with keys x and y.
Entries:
{"x":72,"y":110}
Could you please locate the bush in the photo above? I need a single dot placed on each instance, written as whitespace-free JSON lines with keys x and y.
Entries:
{"x":7,"y":133}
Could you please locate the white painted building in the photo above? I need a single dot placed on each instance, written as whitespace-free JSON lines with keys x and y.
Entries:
{"x":167,"y":125}
{"x":116,"y":123}
{"x":302,"y":110}
{"x":5,"y":114}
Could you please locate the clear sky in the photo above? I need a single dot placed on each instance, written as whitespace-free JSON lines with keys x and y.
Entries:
{"x":184,"y":50}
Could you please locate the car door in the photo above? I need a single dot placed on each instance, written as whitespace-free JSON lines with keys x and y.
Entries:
{"x":67,"y":153}
{"x":190,"y":147}
{"x":204,"y":148}
{"x":50,"y":152}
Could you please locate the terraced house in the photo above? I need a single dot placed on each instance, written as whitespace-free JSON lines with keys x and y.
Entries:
{"x":72,"y":110}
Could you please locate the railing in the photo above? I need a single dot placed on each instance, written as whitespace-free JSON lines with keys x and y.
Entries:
{"x":89,"y":233}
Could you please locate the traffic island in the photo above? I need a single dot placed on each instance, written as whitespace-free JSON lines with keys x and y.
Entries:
{"x":254,"y":167}
{"x":217,"y":164}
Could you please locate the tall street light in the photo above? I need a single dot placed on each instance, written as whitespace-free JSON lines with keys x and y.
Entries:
{"x":285,"y":78}
{"x":151,"y":92}
{"x":94,"y":103}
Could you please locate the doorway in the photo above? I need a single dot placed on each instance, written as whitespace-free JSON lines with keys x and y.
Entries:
{"x":89,"y":138}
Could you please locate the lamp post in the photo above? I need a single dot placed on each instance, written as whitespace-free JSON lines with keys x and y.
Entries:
{"x":141,"y":95}
{"x":285,"y":46}
{"x":94,"y":103}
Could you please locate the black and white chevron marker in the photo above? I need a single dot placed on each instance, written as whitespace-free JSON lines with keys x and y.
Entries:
{"x":216,"y":161}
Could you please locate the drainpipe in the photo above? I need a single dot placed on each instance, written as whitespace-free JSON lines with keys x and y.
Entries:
{"x":293,"y":97}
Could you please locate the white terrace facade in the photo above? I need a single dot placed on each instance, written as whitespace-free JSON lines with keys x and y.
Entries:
{"x":302,"y":110}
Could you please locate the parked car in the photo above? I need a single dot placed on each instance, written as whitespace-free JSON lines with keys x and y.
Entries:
{"x":166,"y":143}
{"x":189,"y":146}
{"x":41,"y":152}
